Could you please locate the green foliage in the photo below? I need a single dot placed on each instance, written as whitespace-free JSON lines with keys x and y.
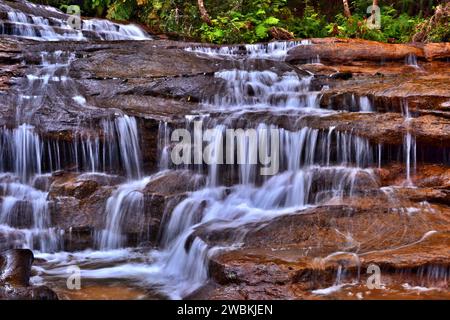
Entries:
{"x":121,"y":10}
{"x":440,"y":33}
{"x":100,"y":6}
{"x":243,"y":26}
{"x":311,"y":25}
{"x":394,"y":27}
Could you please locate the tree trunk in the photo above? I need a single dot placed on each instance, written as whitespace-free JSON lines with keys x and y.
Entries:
{"x":203,"y":13}
{"x":347,"y":12}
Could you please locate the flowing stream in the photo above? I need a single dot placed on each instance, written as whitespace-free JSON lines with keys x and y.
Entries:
{"x":314,"y":166}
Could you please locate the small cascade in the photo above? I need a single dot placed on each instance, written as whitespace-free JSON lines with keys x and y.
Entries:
{"x":365,"y":105}
{"x":49,"y":24}
{"x":24,"y":210}
{"x":411,"y":60}
{"x":314,"y":60}
{"x":263,"y":89}
{"x":24,"y":153}
{"x":21,"y":152}
{"x":410,"y":151}
{"x":293,"y":150}
{"x":117,"y":146}
{"x":126,"y":202}
{"x":315,"y":166}
{"x":128,"y":142}
{"x":25,"y":218}
{"x":163,"y":146}
{"x":107,"y":30}
{"x":39,"y":86}
{"x":276,"y":50}
{"x":409,"y":145}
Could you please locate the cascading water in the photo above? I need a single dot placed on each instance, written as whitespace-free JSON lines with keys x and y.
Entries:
{"x":57,"y":26}
{"x":21,"y":152}
{"x":24,"y":154}
{"x":365,"y":104}
{"x":126,"y":201}
{"x":263,"y":90}
{"x":25,"y":215}
{"x":411,"y":60}
{"x":276,"y":50}
{"x":316,"y":166}
{"x":163,"y":146}
{"x":409,"y":145}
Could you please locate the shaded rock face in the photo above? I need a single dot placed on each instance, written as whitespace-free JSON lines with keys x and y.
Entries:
{"x":15,"y":270}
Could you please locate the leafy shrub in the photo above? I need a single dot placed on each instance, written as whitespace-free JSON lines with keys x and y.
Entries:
{"x":121,"y":10}
{"x":251,"y":26}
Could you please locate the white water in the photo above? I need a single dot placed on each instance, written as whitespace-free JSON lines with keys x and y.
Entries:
{"x":411,"y":60}
{"x":409,"y":145}
{"x":365,"y":105}
{"x":127,"y":201}
{"x":276,"y":50}
{"x":21,"y":151}
{"x":163,"y":146}
{"x":263,"y":90}
{"x":128,"y":141}
{"x":25,"y":217}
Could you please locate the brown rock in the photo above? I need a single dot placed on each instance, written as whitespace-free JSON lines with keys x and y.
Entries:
{"x":352,"y":49}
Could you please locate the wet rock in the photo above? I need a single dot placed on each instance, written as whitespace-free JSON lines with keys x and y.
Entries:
{"x":72,"y":187}
{"x":341,"y":75}
{"x":341,"y":50}
{"x":15,"y":270}
{"x":435,"y":51}
{"x":164,"y":193}
{"x":386,"y":128}
{"x":16,"y":267}
{"x":20,"y":215}
{"x":293,"y":255}
{"x":424,"y":92}
{"x":78,"y":206}
{"x":175,"y":182}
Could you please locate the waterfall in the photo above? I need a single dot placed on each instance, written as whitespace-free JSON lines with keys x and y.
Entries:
{"x":365,"y":105}
{"x":130,"y":152}
{"x":21,"y":152}
{"x":163,"y":146}
{"x":40,"y":84}
{"x":411,"y":60}
{"x":27,"y":152}
{"x":409,"y":144}
{"x":410,"y":151}
{"x":276,"y":50}
{"x":24,"y":214}
{"x":55,"y":26}
{"x":314,"y":60}
{"x":317,"y":166}
{"x":125,"y":202}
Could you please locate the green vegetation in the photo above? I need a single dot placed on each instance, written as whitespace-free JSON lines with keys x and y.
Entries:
{"x":249,"y":21}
